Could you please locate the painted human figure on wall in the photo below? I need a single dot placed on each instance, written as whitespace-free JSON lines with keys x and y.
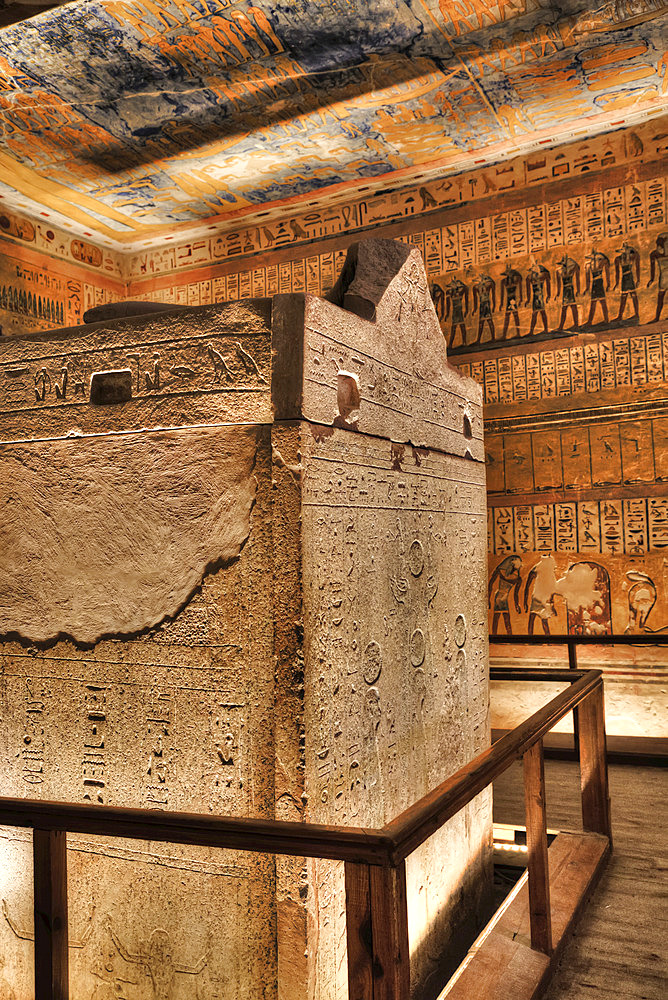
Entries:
{"x":658,"y":265}
{"x":438,"y":298}
{"x":543,"y":579}
{"x":568,"y":287}
{"x":597,"y":271}
{"x":457,"y":307}
{"x":538,"y":291}
{"x":509,"y":579}
{"x":627,"y":267}
{"x":511,"y":293}
{"x":484,"y":302}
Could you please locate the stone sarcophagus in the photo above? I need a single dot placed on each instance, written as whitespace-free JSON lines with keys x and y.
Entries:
{"x":242,"y":571}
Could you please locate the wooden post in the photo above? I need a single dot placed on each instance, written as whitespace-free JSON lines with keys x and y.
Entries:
{"x":573,"y":665}
{"x":539,"y":875}
{"x":377,"y":932}
{"x":389,"y":931}
{"x":50,"y":908}
{"x":594,"y":765}
{"x":358,"y":931}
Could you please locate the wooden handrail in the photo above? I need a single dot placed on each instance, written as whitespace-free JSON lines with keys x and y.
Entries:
{"x":535,"y":674}
{"x":240,"y":833}
{"x":376,"y":905}
{"x":637,"y":639}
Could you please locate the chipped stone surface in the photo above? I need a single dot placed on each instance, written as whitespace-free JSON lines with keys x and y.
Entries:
{"x":407,"y":391}
{"x":283,"y":549}
{"x":112,"y":534}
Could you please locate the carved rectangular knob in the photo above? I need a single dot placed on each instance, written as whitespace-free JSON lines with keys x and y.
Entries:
{"x":111,"y":387}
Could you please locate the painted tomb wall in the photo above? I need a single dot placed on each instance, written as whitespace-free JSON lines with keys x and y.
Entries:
{"x":48,"y":277}
{"x":225,"y":587}
{"x":548,"y":273}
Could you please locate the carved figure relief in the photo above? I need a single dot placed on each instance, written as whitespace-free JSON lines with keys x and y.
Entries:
{"x":508,"y":580}
{"x":575,"y":596}
{"x":568,"y":286}
{"x":511,"y":294}
{"x":541,"y":586}
{"x":658,"y":271}
{"x":627,"y":268}
{"x":484,"y":303}
{"x":538,"y":290}
{"x":456,"y":307}
{"x":597,"y":272}
{"x":642,"y":596}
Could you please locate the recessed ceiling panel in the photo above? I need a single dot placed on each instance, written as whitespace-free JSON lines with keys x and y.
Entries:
{"x":140,"y":117}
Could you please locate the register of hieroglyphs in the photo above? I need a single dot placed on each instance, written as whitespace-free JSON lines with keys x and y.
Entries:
{"x":242,"y":571}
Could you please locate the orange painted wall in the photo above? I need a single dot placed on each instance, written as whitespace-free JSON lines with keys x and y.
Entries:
{"x":48,"y":278}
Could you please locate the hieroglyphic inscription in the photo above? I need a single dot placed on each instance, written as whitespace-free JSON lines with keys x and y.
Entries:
{"x":43,"y":385}
{"x":94,"y":754}
{"x":611,"y":213}
{"x":629,"y":526}
{"x":32,"y":743}
{"x":458,"y":245}
{"x":159,"y":720}
{"x":386,"y":521}
{"x":608,"y":364}
{"x":116,"y":736}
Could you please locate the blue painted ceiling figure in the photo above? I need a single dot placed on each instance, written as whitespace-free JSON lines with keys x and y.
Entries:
{"x":627,"y":267}
{"x":539,"y":289}
{"x":597,"y":271}
{"x":568,"y":286}
{"x":484,"y":301}
{"x":509,"y":579}
{"x":457,"y":306}
{"x":659,"y":265}
{"x":511,"y":291}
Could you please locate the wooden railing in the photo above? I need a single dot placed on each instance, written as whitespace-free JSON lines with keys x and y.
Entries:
{"x":573,"y":641}
{"x":375,"y":869}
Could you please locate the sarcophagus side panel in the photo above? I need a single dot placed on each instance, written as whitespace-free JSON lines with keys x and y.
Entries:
{"x":138,"y":665}
{"x":396,"y":693}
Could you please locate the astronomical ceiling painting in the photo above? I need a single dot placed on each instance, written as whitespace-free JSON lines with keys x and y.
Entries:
{"x":143,"y":117}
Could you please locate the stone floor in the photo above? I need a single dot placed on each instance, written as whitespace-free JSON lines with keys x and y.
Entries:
{"x":619,"y":950}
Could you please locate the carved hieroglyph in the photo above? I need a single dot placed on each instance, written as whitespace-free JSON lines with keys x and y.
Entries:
{"x":266,"y":569}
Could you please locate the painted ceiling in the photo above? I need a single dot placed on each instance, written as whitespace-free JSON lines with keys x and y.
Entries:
{"x":142,"y":117}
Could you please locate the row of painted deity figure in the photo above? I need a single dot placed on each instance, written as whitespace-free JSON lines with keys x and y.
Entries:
{"x":535,"y":290}
{"x":583,"y":590}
